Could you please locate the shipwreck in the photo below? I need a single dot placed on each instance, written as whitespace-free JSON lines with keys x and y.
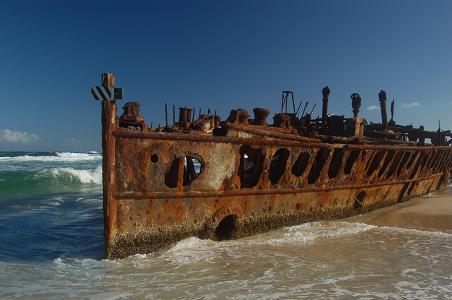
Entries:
{"x":224,"y":179}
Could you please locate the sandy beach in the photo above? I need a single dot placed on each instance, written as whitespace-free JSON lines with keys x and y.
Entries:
{"x":431,"y":212}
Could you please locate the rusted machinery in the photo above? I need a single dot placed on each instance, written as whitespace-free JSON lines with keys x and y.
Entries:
{"x":227,"y":179}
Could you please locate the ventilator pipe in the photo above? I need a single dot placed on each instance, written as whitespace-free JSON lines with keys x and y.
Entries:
{"x":384,"y":116}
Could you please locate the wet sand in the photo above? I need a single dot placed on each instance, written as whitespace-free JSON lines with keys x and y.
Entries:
{"x":431,"y":212}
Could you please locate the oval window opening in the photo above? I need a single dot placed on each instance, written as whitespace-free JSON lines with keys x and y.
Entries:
{"x":351,"y":161}
{"x":191,"y":166}
{"x":301,"y":164}
{"x":278,"y":165}
{"x":251,"y":164}
{"x":316,"y":169}
{"x":336,"y":163}
{"x":375,"y":162}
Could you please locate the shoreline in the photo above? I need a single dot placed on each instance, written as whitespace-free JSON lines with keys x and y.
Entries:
{"x":430,"y":212}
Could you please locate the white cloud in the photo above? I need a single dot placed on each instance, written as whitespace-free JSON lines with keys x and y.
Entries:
{"x":410,"y":104}
{"x":372,"y":107}
{"x":11,"y":136}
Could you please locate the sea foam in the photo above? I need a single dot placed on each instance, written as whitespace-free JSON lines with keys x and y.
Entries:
{"x":315,"y":230}
{"x":57,"y":157}
{"x":412,"y":231}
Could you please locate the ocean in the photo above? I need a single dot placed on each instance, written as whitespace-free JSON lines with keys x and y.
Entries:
{"x":51,"y":247}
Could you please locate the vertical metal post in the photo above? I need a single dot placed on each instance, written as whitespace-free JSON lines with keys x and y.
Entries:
{"x":166,"y":115}
{"x":356,"y":104}
{"x":392,"y":111}
{"x":325,"y":94}
{"x":108,"y":165}
{"x":286,"y":104}
{"x":282,"y":102}
{"x":384,"y":115}
{"x":174,"y":114}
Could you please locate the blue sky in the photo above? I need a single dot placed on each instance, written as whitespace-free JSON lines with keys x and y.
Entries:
{"x":218,"y":55}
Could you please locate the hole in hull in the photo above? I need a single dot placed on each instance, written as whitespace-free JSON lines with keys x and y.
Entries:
{"x":278,"y":165}
{"x":191,"y":167}
{"x":300,"y":165}
{"x":336,"y":163}
{"x":433,"y":159}
{"x":395,"y":164}
{"x":439,"y":163}
{"x":419,"y":164}
{"x":226,"y":228}
{"x":386,"y":163}
{"x":351,"y":161}
{"x":173,"y":173}
{"x":375,"y":162}
{"x":251,"y":164}
{"x":403,"y":162}
{"x":320,"y":159}
{"x":412,"y":159}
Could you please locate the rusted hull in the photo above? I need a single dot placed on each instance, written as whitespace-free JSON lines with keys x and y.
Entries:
{"x":151,"y":203}
{"x":228,"y":179}
{"x":149,"y":225}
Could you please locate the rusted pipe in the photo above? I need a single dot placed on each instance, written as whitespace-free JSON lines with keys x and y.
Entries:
{"x":166,"y":115}
{"x":325,"y":94}
{"x":356,"y":104}
{"x":384,"y":115}
{"x":174,"y":114}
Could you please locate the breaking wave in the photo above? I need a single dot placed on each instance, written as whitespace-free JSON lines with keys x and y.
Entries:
{"x":49,"y":180}
{"x":49,"y":157}
{"x":74,"y":175}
